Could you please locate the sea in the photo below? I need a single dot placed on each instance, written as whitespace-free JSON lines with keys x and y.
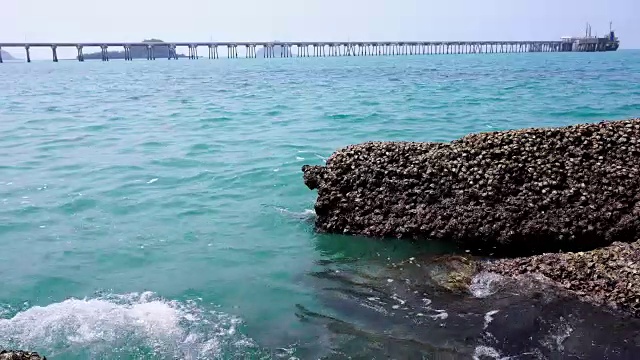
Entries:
{"x":156,"y":209}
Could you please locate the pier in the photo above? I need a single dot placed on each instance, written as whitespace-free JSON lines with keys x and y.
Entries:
{"x":330,"y":49}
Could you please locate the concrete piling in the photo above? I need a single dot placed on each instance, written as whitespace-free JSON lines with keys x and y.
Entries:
{"x":104,"y":53}
{"x":80,"y":53}
{"x":193,"y":51}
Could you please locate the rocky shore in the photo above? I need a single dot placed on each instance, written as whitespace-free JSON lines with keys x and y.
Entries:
{"x":510,"y":192}
{"x":565,"y":200}
{"x":609,"y":276}
{"x":20,"y":355}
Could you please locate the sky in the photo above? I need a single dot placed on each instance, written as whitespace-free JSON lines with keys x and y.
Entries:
{"x":310,"y":20}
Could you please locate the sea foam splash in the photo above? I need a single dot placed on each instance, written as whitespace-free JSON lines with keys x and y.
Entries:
{"x":135,"y":324}
{"x":484,"y":284}
{"x":306,"y":215}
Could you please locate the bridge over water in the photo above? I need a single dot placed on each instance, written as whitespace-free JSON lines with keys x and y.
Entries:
{"x":311,"y":49}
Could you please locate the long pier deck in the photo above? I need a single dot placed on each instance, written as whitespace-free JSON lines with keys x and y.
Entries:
{"x":310,"y":49}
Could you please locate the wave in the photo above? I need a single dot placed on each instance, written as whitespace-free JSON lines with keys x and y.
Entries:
{"x":140,"y":325}
{"x":306,"y":215}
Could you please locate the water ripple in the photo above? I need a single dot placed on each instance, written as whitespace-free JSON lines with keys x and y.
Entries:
{"x":154,"y":175}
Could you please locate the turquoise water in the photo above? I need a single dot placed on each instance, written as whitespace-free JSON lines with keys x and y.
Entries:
{"x":157,"y":210}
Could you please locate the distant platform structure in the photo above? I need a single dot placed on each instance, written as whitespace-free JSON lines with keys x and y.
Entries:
{"x":284,"y":49}
{"x":591,"y":43}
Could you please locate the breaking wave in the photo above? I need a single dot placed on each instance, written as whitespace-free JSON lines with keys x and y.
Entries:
{"x":135,"y":324}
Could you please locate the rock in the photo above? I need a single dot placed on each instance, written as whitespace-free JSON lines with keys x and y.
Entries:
{"x":312,"y":176}
{"x":609,"y":276}
{"x":20,"y":355}
{"x":523,"y":191}
{"x":453,"y":273}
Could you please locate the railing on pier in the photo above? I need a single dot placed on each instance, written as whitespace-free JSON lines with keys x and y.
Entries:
{"x":307,"y":49}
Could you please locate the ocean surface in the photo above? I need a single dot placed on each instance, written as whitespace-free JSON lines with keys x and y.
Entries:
{"x":156,"y":209}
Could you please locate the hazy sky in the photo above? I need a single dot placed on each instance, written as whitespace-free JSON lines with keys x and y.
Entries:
{"x":246,"y":20}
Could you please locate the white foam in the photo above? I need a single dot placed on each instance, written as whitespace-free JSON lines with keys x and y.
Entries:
{"x":307,"y":214}
{"x":442,"y":315}
{"x":557,"y":335}
{"x":122,"y":323}
{"x":399,"y":300}
{"x":152,"y":181}
{"x":483,"y":352}
{"x":484,"y":284}
{"x":488,"y":318}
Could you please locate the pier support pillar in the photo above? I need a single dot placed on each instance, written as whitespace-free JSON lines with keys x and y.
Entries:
{"x":54,"y":52}
{"x":0,"y":55}
{"x":26,"y":48}
{"x":104,"y":52}
{"x":80,"y":54}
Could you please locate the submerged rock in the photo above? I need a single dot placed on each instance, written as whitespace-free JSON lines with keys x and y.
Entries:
{"x":609,"y":276}
{"x":523,"y":191}
{"x":453,"y":273}
{"x":404,"y":310}
{"x":20,"y":355}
